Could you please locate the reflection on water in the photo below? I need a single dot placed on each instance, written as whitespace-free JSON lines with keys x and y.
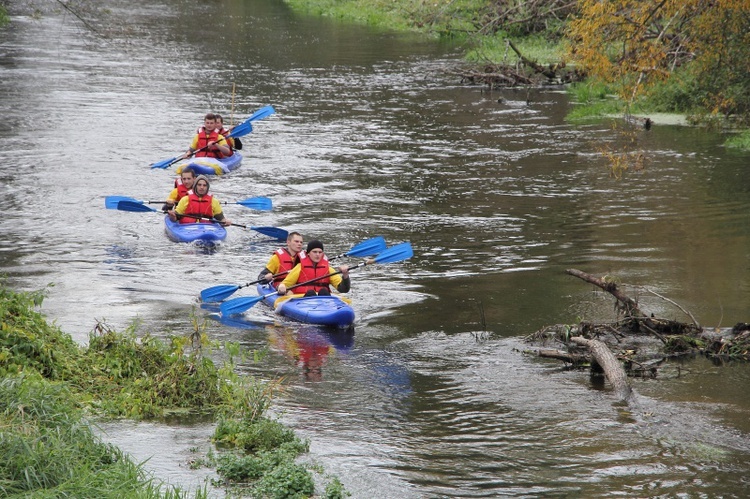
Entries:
{"x":309,"y":347}
{"x":497,"y":193}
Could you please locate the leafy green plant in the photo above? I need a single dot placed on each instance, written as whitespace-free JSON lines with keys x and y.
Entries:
{"x":49,"y":380}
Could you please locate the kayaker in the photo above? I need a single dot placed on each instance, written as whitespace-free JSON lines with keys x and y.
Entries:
{"x":283,"y":260}
{"x":233,"y":143}
{"x":182,"y":187}
{"x":207,"y":137}
{"x":199,"y":203}
{"x":312,"y":265}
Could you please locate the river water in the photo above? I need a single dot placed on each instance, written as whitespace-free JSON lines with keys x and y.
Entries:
{"x":431,"y":394}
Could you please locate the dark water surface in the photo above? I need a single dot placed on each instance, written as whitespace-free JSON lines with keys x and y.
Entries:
{"x":432,"y":395}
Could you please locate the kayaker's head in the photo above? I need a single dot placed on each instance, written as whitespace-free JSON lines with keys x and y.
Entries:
{"x":201,"y":185}
{"x":315,"y":250}
{"x":294,"y":243}
{"x":187,"y":177}
{"x":209,"y":122}
{"x":219,"y":122}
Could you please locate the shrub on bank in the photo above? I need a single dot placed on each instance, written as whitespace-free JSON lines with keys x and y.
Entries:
{"x":48,"y":448}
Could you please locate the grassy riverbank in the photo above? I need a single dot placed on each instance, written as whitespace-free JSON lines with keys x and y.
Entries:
{"x":540,"y":33}
{"x":459,"y":20}
{"x":51,"y":387}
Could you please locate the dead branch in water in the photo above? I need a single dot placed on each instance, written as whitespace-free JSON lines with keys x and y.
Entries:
{"x":637,"y":341}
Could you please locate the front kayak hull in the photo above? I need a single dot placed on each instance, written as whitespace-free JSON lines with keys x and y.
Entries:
{"x":212,"y":166}
{"x":329,"y":311}
{"x":188,"y":233}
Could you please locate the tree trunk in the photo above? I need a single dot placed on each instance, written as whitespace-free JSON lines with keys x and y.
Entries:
{"x":613,"y":370}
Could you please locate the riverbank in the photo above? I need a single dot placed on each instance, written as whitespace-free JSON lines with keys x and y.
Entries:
{"x":498,"y":40}
{"x":53,"y":388}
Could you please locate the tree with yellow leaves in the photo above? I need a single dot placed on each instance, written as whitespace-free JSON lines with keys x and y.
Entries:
{"x":633,"y":44}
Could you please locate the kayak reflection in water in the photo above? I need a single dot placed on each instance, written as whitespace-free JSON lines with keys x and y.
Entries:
{"x":311,"y":347}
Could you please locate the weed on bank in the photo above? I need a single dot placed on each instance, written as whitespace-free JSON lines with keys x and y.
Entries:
{"x":51,"y":386}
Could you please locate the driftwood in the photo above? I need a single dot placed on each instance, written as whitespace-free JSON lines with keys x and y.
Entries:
{"x":512,"y":75}
{"x":637,"y":343}
{"x":572,"y":358}
{"x":612,"y":368}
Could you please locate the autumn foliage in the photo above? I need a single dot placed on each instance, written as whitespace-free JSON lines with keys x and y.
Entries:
{"x":634,"y":44}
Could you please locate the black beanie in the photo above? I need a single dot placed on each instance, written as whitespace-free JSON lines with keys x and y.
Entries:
{"x":314,"y":244}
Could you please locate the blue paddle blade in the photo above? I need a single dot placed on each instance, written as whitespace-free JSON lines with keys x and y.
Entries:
{"x":239,"y":305}
{"x":273,"y":232}
{"x":261,"y":113}
{"x":164,"y":163}
{"x":131,"y":206}
{"x":366,"y":248}
{"x":240,"y":130}
{"x":218,"y":293}
{"x":395,"y":253}
{"x":259,"y":203}
{"x":110,"y":202}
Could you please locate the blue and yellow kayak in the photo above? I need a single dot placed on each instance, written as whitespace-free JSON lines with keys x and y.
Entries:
{"x":188,"y":233}
{"x":332,"y":311}
{"x":212,"y":166}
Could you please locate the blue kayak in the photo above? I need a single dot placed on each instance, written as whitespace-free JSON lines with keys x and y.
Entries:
{"x":188,"y":233}
{"x":320,"y":310}
{"x":212,"y":166}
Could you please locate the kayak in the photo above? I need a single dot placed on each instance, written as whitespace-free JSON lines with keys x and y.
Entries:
{"x":330,"y":311}
{"x":211,"y":166}
{"x":188,"y":233}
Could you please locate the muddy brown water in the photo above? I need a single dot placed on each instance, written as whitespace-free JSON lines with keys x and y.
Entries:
{"x":431,"y":395}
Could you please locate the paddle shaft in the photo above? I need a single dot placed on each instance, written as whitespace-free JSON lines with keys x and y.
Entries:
{"x":361,"y":264}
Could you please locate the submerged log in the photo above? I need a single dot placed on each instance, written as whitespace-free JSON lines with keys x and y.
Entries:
{"x":612,"y":368}
{"x":571,"y":358}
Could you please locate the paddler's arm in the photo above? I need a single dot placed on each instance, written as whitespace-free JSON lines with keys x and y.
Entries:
{"x":221,"y":145}
{"x":193,"y":147}
{"x":341,"y":281}
{"x":290,"y":280}
{"x":180,"y":210}
{"x":171,"y":200}
{"x":218,"y":214}
{"x":270,"y":269}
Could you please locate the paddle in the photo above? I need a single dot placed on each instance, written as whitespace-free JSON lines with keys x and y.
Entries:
{"x":365,"y":248}
{"x":274,"y":232}
{"x":395,"y":253}
{"x":239,"y":131}
{"x":256,"y":203}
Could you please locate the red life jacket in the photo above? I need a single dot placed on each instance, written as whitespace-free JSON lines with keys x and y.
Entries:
{"x":197,"y":206}
{"x":203,"y":140}
{"x":286,"y":263}
{"x":224,"y":132}
{"x":182,"y":191}
{"x":310,"y":271}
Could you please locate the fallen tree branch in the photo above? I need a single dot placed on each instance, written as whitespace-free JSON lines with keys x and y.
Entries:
{"x":630,"y":305}
{"x":676,"y":305}
{"x":613,"y":370}
{"x":571,"y":358}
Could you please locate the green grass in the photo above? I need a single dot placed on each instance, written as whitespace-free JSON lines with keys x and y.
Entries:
{"x":444,"y":19}
{"x":49,"y":450}
{"x":49,"y":382}
{"x":740,"y":141}
{"x":495,"y":49}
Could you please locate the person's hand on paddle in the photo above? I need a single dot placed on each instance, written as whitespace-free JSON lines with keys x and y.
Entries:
{"x":172,"y":215}
{"x":344,"y":269}
{"x":281,"y":289}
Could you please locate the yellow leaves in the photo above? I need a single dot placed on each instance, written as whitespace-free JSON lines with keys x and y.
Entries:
{"x":636,"y":43}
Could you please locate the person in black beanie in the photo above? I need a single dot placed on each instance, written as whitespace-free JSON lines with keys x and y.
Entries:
{"x":314,"y":265}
